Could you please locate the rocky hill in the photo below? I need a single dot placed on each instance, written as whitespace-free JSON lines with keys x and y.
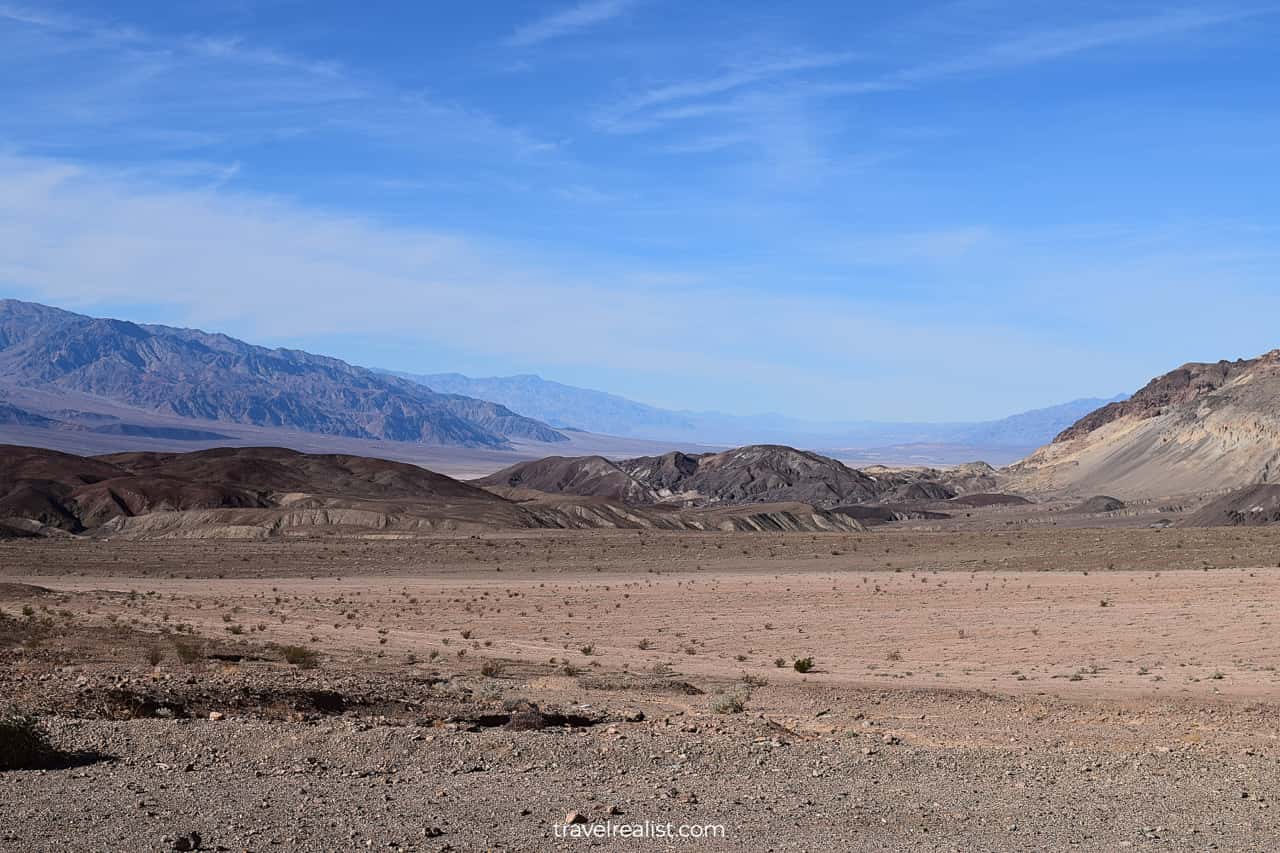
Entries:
{"x":215,"y":378}
{"x":764,"y":473}
{"x":1202,"y":427}
{"x":588,"y":476}
{"x":263,"y":491}
{"x":1247,"y":507}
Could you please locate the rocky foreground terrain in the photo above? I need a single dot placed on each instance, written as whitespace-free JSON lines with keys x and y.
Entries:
{"x":1023,"y":687}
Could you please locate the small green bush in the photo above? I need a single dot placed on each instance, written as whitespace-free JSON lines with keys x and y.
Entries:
{"x":803,"y":664}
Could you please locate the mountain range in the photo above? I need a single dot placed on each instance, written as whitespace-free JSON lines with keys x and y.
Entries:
{"x":569,"y":407}
{"x":91,"y":384}
{"x":57,"y":369}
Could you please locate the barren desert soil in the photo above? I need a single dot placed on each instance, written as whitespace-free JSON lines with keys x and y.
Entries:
{"x":981,"y":689}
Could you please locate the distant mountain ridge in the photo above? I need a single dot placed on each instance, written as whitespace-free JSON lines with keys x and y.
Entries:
{"x":596,"y":411}
{"x":212,"y":377}
{"x":562,"y":405}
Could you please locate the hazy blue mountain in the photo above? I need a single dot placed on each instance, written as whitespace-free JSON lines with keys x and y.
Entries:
{"x":1031,"y":428}
{"x":597,"y":411}
{"x":563,"y":405}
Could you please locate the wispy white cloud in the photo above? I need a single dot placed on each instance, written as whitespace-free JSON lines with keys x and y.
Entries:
{"x":238,"y":49}
{"x":640,"y":111}
{"x":585,"y":194}
{"x":234,"y":48}
{"x":1048,"y":45}
{"x":568,"y":21}
{"x":742,"y":91}
{"x":181,"y":93}
{"x":58,"y":22}
{"x":940,"y":246}
{"x":707,"y":144}
{"x":275,"y":270}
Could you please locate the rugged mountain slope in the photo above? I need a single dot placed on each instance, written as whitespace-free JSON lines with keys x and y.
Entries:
{"x":745,"y":475}
{"x":1198,"y":428}
{"x":192,"y":374}
{"x":11,"y":414}
{"x":1031,"y":428}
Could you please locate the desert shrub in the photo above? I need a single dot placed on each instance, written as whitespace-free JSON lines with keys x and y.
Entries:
{"x":23,"y":743}
{"x":734,"y":703}
{"x":492,"y":668}
{"x":300,"y":656}
{"x":803,"y":664}
{"x":779,"y":662}
{"x":188,"y":651}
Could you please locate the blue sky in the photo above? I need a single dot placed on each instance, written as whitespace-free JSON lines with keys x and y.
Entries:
{"x":930,"y":211}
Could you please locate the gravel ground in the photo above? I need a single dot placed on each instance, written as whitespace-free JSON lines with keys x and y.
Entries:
{"x":246,"y":784}
{"x":1149,"y":722}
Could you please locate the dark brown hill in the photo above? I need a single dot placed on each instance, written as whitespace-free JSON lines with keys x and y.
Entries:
{"x":38,"y":484}
{"x":258,"y":492}
{"x":279,"y":470}
{"x":982,"y":499}
{"x":764,"y":473}
{"x":1251,"y":506}
{"x":76,"y":493}
{"x":1098,"y":503}
{"x":587,"y":476}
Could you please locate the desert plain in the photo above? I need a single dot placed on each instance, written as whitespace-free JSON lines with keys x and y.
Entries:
{"x":1008,"y":680}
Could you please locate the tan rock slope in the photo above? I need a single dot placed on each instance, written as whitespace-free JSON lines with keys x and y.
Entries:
{"x":1200,"y":428}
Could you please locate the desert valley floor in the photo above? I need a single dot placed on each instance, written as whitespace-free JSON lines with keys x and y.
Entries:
{"x":997,"y":685}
